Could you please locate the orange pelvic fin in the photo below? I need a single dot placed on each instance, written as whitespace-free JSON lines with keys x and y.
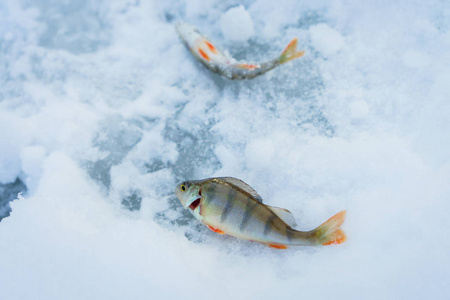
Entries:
{"x":216,"y":230}
{"x":330,"y":232}
{"x":291,"y":52}
{"x":203,"y":54}
{"x":275,"y":246}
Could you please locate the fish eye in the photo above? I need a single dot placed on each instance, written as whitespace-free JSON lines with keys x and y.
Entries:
{"x":183,"y":187}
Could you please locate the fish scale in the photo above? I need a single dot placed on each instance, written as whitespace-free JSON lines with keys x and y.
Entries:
{"x":249,"y":208}
{"x":261,"y":222}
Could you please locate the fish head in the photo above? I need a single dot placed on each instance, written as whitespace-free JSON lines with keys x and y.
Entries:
{"x":188,"y":33}
{"x":190,"y":195}
{"x":199,"y":45}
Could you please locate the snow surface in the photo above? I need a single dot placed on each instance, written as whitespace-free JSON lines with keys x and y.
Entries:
{"x":237,"y":24}
{"x":325,"y":39}
{"x":103,"y":111}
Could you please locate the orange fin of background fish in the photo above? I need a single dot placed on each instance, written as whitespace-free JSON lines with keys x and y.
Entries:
{"x":203,"y":54}
{"x":291,"y":52}
{"x":246,"y":66}
{"x":211,"y":47}
{"x":216,"y":230}
{"x":330,"y":232}
{"x":277,"y":246}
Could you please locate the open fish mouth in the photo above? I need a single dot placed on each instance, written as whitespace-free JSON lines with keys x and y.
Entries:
{"x":195,"y":204}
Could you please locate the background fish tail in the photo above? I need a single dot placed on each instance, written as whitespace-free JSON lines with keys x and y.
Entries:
{"x":290,"y":52}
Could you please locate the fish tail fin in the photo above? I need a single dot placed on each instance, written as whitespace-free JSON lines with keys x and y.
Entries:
{"x":290,"y":52}
{"x":330,"y":232}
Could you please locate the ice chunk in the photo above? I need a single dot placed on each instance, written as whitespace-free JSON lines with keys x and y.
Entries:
{"x":115,"y":138}
{"x":9,"y":192}
{"x":237,"y":24}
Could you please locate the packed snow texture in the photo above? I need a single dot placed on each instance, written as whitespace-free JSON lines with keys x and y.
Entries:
{"x":103,"y":111}
{"x":236,"y":24}
{"x":325,"y":39}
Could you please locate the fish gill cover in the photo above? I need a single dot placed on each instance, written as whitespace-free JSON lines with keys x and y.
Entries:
{"x":103,"y":111}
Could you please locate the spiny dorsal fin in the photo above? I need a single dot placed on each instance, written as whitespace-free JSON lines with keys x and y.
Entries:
{"x":242,"y":185}
{"x":284,"y":215}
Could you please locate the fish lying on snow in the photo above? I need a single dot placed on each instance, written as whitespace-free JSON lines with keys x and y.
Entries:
{"x":227,"y":66}
{"x":230,"y":206}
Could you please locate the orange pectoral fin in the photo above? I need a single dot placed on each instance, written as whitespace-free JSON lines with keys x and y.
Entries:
{"x":216,"y":230}
{"x":277,"y":246}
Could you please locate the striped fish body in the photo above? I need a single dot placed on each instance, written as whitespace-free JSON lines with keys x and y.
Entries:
{"x":228,"y":205}
{"x":237,"y":213}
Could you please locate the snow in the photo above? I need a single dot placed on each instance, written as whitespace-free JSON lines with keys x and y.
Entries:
{"x":325,"y":39}
{"x":236,"y":24}
{"x":103,"y":111}
{"x":416,"y":60}
{"x":359,"y":109}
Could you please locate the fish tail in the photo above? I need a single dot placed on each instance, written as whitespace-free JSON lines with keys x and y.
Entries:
{"x":290,"y":52}
{"x":330,"y":232}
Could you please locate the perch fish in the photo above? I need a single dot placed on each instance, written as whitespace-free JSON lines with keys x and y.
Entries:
{"x":218,"y":62}
{"x":227,"y":205}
